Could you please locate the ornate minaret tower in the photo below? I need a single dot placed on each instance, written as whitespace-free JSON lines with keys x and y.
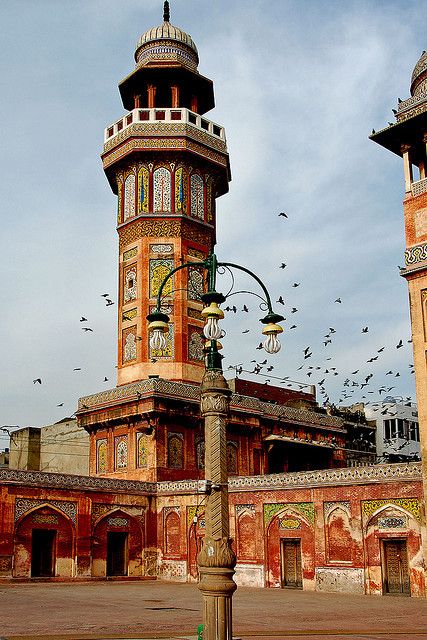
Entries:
{"x":167,"y":164}
{"x":408,"y":139}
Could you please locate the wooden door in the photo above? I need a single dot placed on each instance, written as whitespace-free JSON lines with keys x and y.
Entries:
{"x":117,"y":553}
{"x":290,"y":561}
{"x":43,"y":553}
{"x":395,"y":567}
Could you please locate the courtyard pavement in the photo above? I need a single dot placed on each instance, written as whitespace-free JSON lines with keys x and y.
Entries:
{"x":156,"y":609}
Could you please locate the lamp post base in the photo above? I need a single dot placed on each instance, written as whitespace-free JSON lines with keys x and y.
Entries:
{"x":217,"y":587}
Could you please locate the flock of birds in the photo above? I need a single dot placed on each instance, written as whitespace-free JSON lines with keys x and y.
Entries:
{"x":356,"y":385}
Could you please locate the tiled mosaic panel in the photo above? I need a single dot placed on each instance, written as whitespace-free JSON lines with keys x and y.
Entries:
{"x":412,"y":505}
{"x":181,"y":189}
{"x":175,"y":450}
{"x":129,"y":344}
{"x":129,"y":284}
{"x":162,"y":190}
{"x":101,"y":455}
{"x":159,"y":269}
{"x":129,"y":314}
{"x":121,"y":446}
{"x":162,"y":249}
{"x":129,"y":254}
{"x":195,"y":283}
{"x":143,"y":195}
{"x":197,"y":196}
{"x":142,"y":451}
{"x":305,"y":508}
{"x":22,"y":505}
{"x":196,"y":344}
{"x":129,"y":199}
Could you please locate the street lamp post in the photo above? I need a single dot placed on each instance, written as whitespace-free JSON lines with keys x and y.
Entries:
{"x":216,"y":559}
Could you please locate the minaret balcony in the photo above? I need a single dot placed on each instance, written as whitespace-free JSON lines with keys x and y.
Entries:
{"x":166,"y":115}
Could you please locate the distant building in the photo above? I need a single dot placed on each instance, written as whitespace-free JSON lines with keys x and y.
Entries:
{"x":4,"y":459}
{"x":397,"y":430}
{"x":62,"y":447}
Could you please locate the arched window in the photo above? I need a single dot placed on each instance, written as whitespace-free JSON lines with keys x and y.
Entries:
{"x":143,"y":176}
{"x":200,"y":454}
{"x":181,"y":189}
{"x":172,"y":533}
{"x":340,"y":541}
{"x":175,"y":450}
{"x":232,"y":466}
{"x":142,"y":451}
{"x":122,"y":454}
{"x":162,"y":189}
{"x":101,"y":456}
{"x":197,"y":196}
{"x":129,"y":204}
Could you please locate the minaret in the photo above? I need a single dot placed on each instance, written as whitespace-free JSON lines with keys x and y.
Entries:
{"x":408,"y":138}
{"x":167,"y":164}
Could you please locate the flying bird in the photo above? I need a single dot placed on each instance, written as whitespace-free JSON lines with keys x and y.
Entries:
{"x":280,"y":300}
{"x":400,"y":344}
{"x":87,"y":329}
{"x":245,"y":331}
{"x":83,"y":319}
{"x":77,"y":369}
{"x":338,"y":300}
{"x":245,"y":309}
{"x":37,"y":380}
{"x":294,"y":310}
{"x":365,"y":329}
{"x":60,"y":405}
{"x":105,"y":295}
{"x":296,"y":284}
{"x":109,"y":302}
{"x":282,"y":214}
{"x":283,"y":266}
{"x":105,"y":379}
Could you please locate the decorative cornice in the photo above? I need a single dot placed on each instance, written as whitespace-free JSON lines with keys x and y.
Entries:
{"x":187,"y":392}
{"x":139,"y":130}
{"x":410,"y":471}
{"x":74,"y":482}
{"x":416,"y":254}
{"x":376,"y":474}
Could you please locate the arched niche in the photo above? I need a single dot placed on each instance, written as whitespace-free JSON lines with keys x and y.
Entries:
{"x":339,"y":537}
{"x":172,"y":534}
{"x":246,"y":536}
{"x":393,"y":551}
{"x":291,"y":532}
{"x":117,"y":545}
{"x":44,"y":544}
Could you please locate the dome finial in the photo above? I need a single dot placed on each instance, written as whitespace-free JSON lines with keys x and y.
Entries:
{"x":166,"y":11}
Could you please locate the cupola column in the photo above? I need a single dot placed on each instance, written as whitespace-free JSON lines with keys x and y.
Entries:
{"x":151,"y":90}
{"x":407,"y":168}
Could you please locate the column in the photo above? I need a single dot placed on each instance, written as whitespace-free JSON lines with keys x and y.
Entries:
{"x":216,"y":559}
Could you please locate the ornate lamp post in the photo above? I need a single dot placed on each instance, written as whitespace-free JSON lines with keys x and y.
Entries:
{"x":216,"y":559}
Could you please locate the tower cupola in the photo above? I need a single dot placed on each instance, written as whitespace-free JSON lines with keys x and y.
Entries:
{"x":419,"y":76}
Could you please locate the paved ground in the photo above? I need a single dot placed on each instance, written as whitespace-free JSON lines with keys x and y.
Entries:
{"x":155,"y":609}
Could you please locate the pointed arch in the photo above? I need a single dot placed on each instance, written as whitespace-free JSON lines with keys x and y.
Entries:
{"x":162,"y":190}
{"x":197,"y":191}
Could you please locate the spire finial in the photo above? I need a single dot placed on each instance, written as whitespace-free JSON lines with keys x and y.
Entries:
{"x":166,"y":11}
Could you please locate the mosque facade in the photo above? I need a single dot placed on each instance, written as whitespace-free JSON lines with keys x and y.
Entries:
{"x":308,"y":508}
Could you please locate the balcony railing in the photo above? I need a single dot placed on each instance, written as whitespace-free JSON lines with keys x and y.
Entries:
{"x":418,"y":187}
{"x":146,"y":116}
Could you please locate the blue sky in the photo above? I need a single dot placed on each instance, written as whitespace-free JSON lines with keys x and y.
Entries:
{"x":299,"y":86}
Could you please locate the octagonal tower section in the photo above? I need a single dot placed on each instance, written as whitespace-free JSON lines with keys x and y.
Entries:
{"x":167,"y":163}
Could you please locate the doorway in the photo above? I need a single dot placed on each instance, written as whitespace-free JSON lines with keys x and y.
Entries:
{"x":395,"y":568}
{"x":117,"y":553}
{"x":43,"y":553}
{"x":290,"y":564}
